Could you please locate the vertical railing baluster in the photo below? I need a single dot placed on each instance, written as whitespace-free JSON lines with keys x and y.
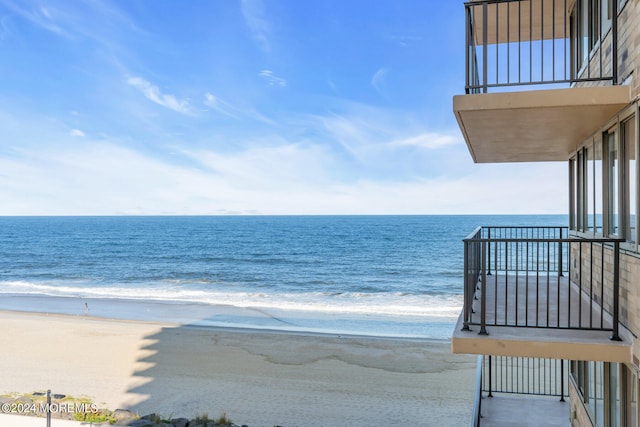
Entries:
{"x":561,"y":380}
{"x":508,"y":43}
{"x":580,"y":287}
{"x":483,"y":298}
{"x":541,"y":41}
{"x":570,"y":278}
{"x":490,"y":376}
{"x":526,"y":287}
{"x":489,"y":239}
{"x":506,"y":282}
{"x":468,"y":293}
{"x":467,"y":58}
{"x":548,"y":280}
{"x":616,"y":291}
{"x":497,"y":5}
{"x":484,"y":47}
{"x":591,"y":296}
{"x":614,"y":42}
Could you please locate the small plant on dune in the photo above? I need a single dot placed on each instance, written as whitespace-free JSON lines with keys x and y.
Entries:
{"x":95,"y":417}
{"x":202,"y":418}
{"x":223,"y":420}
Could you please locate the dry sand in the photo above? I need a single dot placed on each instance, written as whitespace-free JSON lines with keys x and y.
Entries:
{"x":258,"y":378}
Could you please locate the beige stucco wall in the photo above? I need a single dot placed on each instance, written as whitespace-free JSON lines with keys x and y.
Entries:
{"x":578,"y":415}
{"x":628,"y":51}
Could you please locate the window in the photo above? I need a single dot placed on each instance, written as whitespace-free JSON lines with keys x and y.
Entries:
{"x":628,"y":129}
{"x":629,"y":383}
{"x":597,"y":193}
{"x":596,"y":399}
{"x":581,"y":20}
{"x":608,"y":391}
{"x":573,"y":183}
{"x":580,"y":190}
{"x":614,"y":395}
{"x":593,"y":179}
{"x":612,"y":183}
{"x":605,"y":16}
{"x":590,"y":22}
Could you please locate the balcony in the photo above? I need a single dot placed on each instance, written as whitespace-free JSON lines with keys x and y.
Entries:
{"x":506,"y":385}
{"x":522,"y":51}
{"x":538,"y":292}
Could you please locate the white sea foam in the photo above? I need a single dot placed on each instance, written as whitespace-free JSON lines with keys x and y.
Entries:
{"x":391,"y":304}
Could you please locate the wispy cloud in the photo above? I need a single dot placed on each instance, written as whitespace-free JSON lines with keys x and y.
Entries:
{"x":272,"y":79}
{"x":76,"y":132}
{"x":255,"y":18}
{"x":40,"y":16}
{"x":154,"y":94}
{"x":405,"y":40}
{"x":378,"y":79}
{"x":220,"y":106}
{"x":427,"y":141}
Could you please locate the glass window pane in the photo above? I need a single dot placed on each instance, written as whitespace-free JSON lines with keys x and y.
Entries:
{"x":605,"y":15}
{"x":629,"y":130}
{"x":630,"y":397}
{"x":612,"y":173}
{"x":597,"y":175}
{"x":595,"y":22}
{"x":598,"y":388}
{"x":614,"y":396}
{"x":583,"y":31}
{"x":573,"y":191}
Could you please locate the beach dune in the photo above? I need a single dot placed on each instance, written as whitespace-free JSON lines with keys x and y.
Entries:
{"x":259,"y":378}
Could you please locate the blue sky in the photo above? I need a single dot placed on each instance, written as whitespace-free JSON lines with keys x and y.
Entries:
{"x":248,"y":106}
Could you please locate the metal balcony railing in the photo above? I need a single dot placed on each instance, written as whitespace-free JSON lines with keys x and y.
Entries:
{"x":530,"y":42}
{"x":518,"y":376}
{"x":540,"y":277}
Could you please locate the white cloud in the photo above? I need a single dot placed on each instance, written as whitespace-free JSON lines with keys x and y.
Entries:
{"x":272,"y":79}
{"x":220,"y":106}
{"x":427,"y":141}
{"x":40,"y":17}
{"x":255,"y":18}
{"x":154,"y":94}
{"x":76,"y":132}
{"x":378,"y":79}
{"x":104,"y":178}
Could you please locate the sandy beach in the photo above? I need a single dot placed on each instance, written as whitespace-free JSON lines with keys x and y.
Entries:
{"x":258,"y":378}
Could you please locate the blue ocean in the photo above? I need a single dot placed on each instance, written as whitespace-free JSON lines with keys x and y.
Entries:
{"x":395,"y":276}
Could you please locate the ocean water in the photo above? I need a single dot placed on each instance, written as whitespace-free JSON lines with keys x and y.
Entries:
{"x":370,"y":275}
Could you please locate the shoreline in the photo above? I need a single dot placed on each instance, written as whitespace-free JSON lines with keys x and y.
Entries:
{"x":257,"y":377}
{"x":231,"y":316}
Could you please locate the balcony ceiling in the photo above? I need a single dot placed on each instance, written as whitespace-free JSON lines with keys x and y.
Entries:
{"x":522,"y":20}
{"x":534,"y":126}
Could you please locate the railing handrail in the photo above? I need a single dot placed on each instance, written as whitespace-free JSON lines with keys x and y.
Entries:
{"x":473,"y":233}
{"x":550,"y":239}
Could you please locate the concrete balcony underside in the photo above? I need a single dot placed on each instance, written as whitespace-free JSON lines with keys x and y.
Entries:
{"x":548,"y":303}
{"x":537,"y":125}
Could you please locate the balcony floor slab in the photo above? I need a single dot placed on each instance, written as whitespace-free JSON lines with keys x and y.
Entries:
{"x":507,"y":410}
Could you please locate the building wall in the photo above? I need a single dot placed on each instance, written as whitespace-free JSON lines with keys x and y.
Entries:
{"x":629,"y":44}
{"x":578,"y":415}
{"x":628,"y":51}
